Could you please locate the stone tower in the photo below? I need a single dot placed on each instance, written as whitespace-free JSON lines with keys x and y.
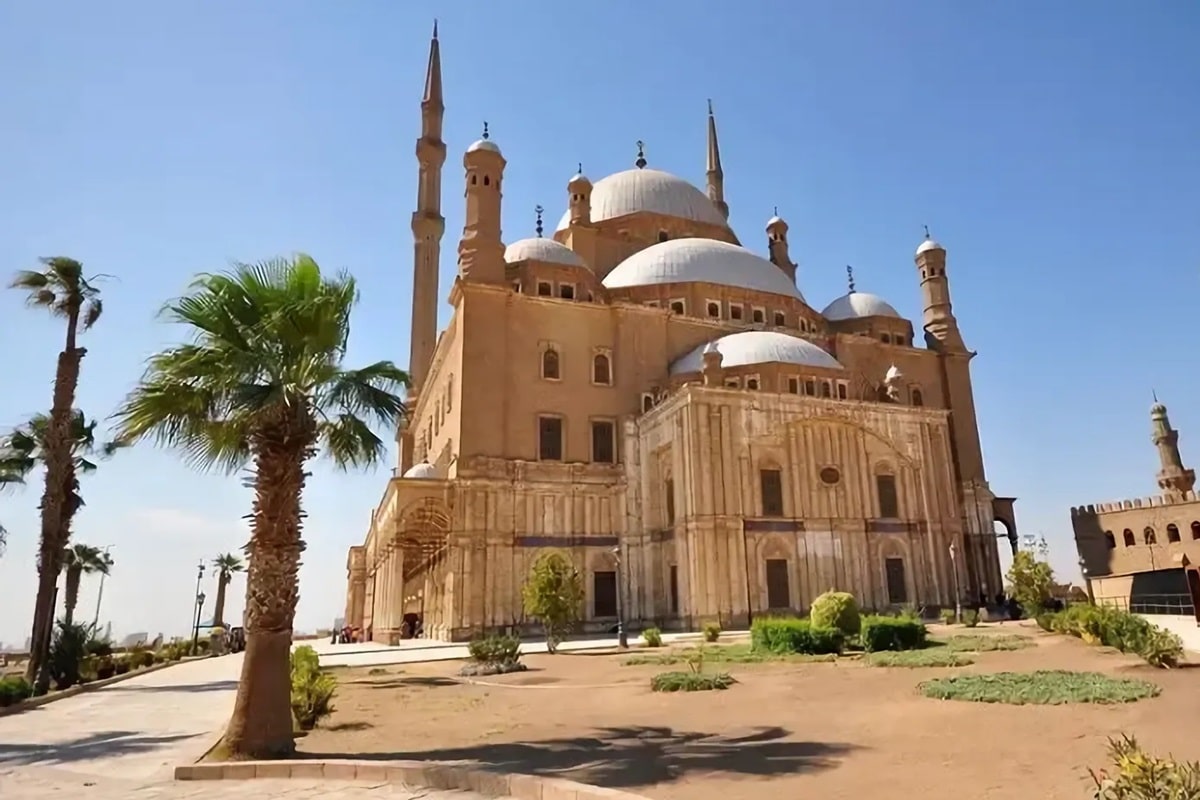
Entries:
{"x":715,"y":176}
{"x":427,"y":221}
{"x":777,"y":245}
{"x":579,"y":189}
{"x":480,"y":251}
{"x":1174,"y":479}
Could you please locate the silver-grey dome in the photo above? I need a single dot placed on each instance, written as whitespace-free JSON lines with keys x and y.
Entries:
{"x":484,"y":144}
{"x":758,"y":347}
{"x":701,"y":261}
{"x":422,"y":470}
{"x":929,"y":244}
{"x":857,"y":305}
{"x":541,"y":250}
{"x":650,"y":190}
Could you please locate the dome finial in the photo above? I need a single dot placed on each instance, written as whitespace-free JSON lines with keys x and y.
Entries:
{"x":927,"y":236}
{"x":774,"y":211}
{"x":435,"y":27}
{"x":710,"y":111}
{"x":485,"y":129}
{"x":579,"y":168}
{"x":850,"y":277}
{"x":538,"y":226}
{"x":641,"y":159}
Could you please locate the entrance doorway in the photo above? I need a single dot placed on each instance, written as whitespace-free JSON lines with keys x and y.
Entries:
{"x":897,"y":583}
{"x":779,"y":594}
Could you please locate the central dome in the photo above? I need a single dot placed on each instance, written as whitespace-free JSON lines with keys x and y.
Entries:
{"x":701,"y":261}
{"x":650,"y":190}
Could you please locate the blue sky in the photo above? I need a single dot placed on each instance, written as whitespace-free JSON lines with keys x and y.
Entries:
{"x":1050,"y":147}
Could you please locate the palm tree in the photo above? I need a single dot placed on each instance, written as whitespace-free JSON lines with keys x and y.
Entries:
{"x":226,"y":565}
{"x":62,"y":289}
{"x":262,"y":384}
{"x":9,"y":478}
{"x":27,"y":447}
{"x":80,"y":559}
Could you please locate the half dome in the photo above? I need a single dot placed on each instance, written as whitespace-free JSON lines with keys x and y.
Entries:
{"x":857,"y":305}
{"x":541,"y":250}
{"x":422,"y":470}
{"x":758,"y":347}
{"x":650,"y":190}
{"x":701,"y":261}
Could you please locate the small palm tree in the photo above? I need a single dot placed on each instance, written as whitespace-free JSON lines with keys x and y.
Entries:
{"x":80,"y":560}
{"x":262,"y":384}
{"x":226,"y":565}
{"x":61,"y":288}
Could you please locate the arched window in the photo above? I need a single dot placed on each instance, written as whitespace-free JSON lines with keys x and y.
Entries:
{"x":1195,"y":530}
{"x":1148,"y":536}
{"x":550,"y":365}
{"x":1110,"y":540}
{"x":1128,"y":536}
{"x":1172,"y":532}
{"x":601,"y":369}
{"x":889,"y":502}
{"x":918,"y":399}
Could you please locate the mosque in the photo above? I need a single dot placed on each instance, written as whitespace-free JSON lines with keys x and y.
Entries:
{"x":643,"y":393}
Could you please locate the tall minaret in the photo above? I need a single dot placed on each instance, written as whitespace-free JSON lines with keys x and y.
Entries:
{"x":1174,"y":479}
{"x":427,"y":221}
{"x":714,"y":174}
{"x":941,"y":328}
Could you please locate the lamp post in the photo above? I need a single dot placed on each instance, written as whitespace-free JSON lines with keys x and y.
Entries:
{"x":1087,"y":580}
{"x":957,"y":592}
{"x":100,"y":591}
{"x":622,"y":641}
{"x":196,"y":610}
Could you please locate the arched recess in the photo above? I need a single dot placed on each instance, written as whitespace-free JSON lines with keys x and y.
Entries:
{"x":1004,"y":514}
{"x":423,"y":533}
{"x":895,"y":572}
{"x":775,"y":567}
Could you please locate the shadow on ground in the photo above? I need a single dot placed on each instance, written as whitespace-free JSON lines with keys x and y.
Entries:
{"x":108,"y":744}
{"x":416,"y":680}
{"x":639,"y":756}
{"x":216,"y":686}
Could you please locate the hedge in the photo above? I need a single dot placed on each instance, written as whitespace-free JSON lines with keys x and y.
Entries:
{"x":783,"y":636}
{"x":892,"y":633}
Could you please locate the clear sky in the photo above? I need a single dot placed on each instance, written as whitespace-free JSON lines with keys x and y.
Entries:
{"x":1051,"y":147}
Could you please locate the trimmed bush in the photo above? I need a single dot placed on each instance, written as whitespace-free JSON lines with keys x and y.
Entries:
{"x":1126,"y":632}
{"x":836,"y":610}
{"x":947,"y":616}
{"x":312,"y":689}
{"x":690,"y":681}
{"x":892,"y":633}
{"x":652,"y":637}
{"x":13,"y":690}
{"x":712,"y":631}
{"x":971,"y":618}
{"x":783,"y":636}
{"x":493,"y":655}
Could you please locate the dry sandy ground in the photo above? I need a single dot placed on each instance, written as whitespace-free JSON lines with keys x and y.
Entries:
{"x":825,"y":731}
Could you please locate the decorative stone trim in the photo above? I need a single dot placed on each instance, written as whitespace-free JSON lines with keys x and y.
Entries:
{"x":429,"y":774}
{"x":83,"y":688}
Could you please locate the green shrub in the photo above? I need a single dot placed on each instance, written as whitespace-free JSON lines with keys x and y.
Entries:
{"x":1138,"y":776}
{"x":690,"y":681}
{"x":933,"y":657}
{"x":892,"y":633}
{"x":491,"y":650}
{"x":122,"y":665}
{"x":783,"y":636}
{"x":312,"y":689}
{"x":106,"y":667}
{"x":971,"y":618}
{"x":68,"y":649}
{"x":100,"y":646}
{"x":910,"y":611}
{"x":652,"y":637}
{"x":836,"y":610}
{"x":712,"y":631}
{"x":14,"y":689}
{"x":1126,"y":632}
{"x":947,"y":616}
{"x":1045,"y":622}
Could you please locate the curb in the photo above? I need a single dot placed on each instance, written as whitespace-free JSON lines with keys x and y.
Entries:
{"x":431,"y":774}
{"x":84,"y":688}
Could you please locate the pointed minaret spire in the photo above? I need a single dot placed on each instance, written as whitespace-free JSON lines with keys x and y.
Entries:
{"x":538,"y":210}
{"x":432,"y":99}
{"x":1174,"y":478}
{"x":714,"y":173}
{"x":850,"y":277}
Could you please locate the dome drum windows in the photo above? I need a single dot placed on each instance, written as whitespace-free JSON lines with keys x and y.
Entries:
{"x":566,"y":291}
{"x":918,"y":399}
{"x":602,"y":368}
{"x":780,"y":319}
{"x":713,"y":308}
{"x":753,"y":383}
{"x":545,"y":289}
{"x":1172,"y":533}
{"x":678,"y":306}
{"x":737,"y":311}
{"x":758,"y":315}
{"x":1195,"y":530}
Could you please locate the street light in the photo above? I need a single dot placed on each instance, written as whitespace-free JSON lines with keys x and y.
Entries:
{"x":1087,"y":580}
{"x":196,"y":610}
{"x":622,"y":641}
{"x":957,"y":593}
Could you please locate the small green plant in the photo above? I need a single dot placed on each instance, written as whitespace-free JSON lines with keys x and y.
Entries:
{"x":690,"y":681}
{"x":971,"y":618}
{"x":910,"y":611}
{"x":836,"y":610}
{"x":947,"y":616}
{"x":312,"y":689}
{"x":1139,"y":776}
{"x":783,"y":636}
{"x":495,"y":650}
{"x":106,"y":667}
{"x":652,"y":637}
{"x":553,"y":595}
{"x":68,"y":649}
{"x":14,"y":689}
{"x":1045,"y":687}
{"x":933,"y":657}
{"x":892,"y":633}
{"x":712,"y":631}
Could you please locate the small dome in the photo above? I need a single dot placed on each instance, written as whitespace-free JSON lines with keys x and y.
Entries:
{"x":423,"y":470}
{"x":701,"y":261}
{"x":650,"y":190}
{"x":484,"y":144}
{"x":857,"y":305}
{"x":541,"y":250}
{"x":758,"y":347}
{"x":929,"y":244}
{"x":578,"y":179}
{"x":776,"y":221}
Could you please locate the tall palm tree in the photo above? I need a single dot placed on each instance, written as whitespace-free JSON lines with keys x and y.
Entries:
{"x":61,"y":288}
{"x":226,"y":565}
{"x":262,"y":384}
{"x":27,"y":447}
{"x":78,"y":560}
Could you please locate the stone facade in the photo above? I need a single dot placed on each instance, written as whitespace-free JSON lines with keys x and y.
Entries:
{"x":654,"y":400}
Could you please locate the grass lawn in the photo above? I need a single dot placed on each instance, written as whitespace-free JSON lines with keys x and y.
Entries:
{"x":1044,"y":687}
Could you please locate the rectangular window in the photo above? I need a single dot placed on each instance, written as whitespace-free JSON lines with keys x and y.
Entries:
{"x":826,"y":391}
{"x":550,"y":438}
{"x":780,"y":319}
{"x":758,"y":315}
{"x":843,"y":391}
{"x":771,"y":483}
{"x":752,"y":384}
{"x":793,"y":385}
{"x":545,"y":289}
{"x":714,"y":309}
{"x":604,"y":594}
{"x":669,"y":501}
{"x":735,"y":311}
{"x":652,"y":303}
{"x":603,"y":446}
{"x":779,"y":595}
{"x":566,"y":291}
{"x":889,"y":505}
{"x":673,"y":600}
{"x":678,"y":306}
{"x":810,"y":388}
{"x":733,"y":383}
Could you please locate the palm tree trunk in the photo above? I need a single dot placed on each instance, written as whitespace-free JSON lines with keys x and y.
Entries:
{"x":261,"y":725}
{"x":54,"y":500}
{"x":219,"y":607}
{"x":71,"y":595}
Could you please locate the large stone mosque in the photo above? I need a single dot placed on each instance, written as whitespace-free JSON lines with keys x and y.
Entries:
{"x":663,"y":405}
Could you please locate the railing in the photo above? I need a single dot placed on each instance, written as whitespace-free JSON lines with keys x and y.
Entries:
{"x":1174,"y":604}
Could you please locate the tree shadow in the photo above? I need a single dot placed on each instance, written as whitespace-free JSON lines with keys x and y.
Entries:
{"x":107,"y":744}
{"x":639,"y":756}
{"x":428,"y":681}
{"x":190,"y":688}
{"x":348,"y":727}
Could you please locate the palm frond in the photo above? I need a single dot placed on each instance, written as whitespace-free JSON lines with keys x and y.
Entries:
{"x":349,"y":442}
